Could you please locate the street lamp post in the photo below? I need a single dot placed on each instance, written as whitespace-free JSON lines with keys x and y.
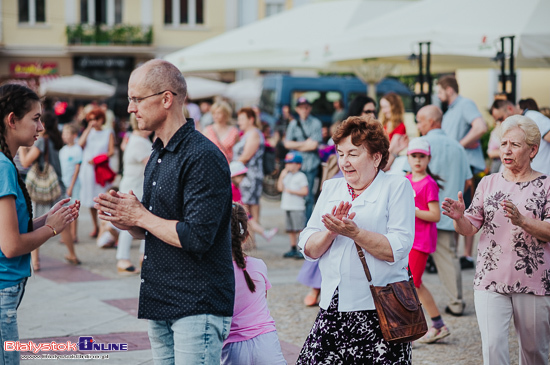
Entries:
{"x":423,"y":87}
{"x":507,"y":81}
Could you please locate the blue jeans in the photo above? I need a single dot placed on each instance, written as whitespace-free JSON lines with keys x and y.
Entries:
{"x":189,"y":340}
{"x":310,"y":198}
{"x":9,"y":301}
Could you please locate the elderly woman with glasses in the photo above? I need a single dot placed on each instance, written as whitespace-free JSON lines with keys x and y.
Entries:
{"x":375,"y":211}
{"x":94,"y":141}
{"x":512,"y":211}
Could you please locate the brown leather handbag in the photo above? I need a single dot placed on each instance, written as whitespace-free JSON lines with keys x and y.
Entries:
{"x":398,"y":307}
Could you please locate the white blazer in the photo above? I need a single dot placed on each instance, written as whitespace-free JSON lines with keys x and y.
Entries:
{"x":386,"y":207}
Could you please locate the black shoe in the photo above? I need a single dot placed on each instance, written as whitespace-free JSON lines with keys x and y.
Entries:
{"x":292,"y":253}
{"x":430,"y":266}
{"x":449,"y":311}
{"x":466,"y":263}
{"x":299,"y":256}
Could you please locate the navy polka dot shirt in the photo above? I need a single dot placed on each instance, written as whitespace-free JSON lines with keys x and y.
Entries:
{"x":188,"y":181}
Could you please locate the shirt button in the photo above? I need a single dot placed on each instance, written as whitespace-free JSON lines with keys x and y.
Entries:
{"x":150,"y":208}
{"x":142,"y":280}
{"x":154,"y":183}
{"x":145,"y":257}
{"x":159,"y":160}
{"x":146,"y":233}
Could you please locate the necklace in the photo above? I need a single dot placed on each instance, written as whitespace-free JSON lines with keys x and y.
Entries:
{"x":353,"y":192}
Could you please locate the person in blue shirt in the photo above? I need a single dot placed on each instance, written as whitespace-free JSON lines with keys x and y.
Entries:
{"x":463,"y":122}
{"x":449,"y":161}
{"x":20,"y":125}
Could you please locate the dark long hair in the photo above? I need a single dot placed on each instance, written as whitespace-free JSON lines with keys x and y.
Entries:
{"x":19,"y":100}
{"x":357,"y":104}
{"x":438,"y":179}
{"x":239,"y":233}
{"x":49,"y":119}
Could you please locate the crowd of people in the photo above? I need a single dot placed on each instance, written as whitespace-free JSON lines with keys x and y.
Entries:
{"x":359,"y":186}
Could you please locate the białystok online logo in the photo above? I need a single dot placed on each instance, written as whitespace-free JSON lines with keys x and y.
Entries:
{"x":85,"y":343}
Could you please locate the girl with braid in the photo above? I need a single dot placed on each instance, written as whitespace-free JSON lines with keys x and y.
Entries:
{"x":20,"y":125}
{"x":253,"y":337}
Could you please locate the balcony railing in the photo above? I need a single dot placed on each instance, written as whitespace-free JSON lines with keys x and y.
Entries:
{"x":119,"y":34}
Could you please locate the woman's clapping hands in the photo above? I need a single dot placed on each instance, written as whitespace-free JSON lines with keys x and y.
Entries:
{"x":340,"y":221}
{"x":60,"y":216}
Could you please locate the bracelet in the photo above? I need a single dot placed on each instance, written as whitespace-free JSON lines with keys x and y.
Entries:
{"x":53,"y":229}
{"x":394,"y":154}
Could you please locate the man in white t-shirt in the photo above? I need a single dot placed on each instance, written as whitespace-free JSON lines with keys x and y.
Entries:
{"x":502,"y":109}
{"x":294,"y":186}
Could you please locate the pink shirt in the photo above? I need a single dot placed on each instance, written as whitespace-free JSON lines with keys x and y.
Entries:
{"x":226,"y":143}
{"x":236,"y":194}
{"x":251,"y":316}
{"x":425,"y":191}
{"x":509,"y":260}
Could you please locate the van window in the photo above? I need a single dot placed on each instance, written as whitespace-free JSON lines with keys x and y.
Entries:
{"x":267,"y":101}
{"x":321,"y":101}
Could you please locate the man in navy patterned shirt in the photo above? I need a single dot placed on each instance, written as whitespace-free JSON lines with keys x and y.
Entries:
{"x":187,"y":281}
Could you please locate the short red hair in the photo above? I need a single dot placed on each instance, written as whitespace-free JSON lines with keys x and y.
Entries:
{"x":96,"y":113}
{"x":365,"y":131}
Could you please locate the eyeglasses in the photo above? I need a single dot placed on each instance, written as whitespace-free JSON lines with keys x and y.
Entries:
{"x":138,"y":100}
{"x":369,"y":111}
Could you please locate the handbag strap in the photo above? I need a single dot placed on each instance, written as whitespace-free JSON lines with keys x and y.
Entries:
{"x":44,"y":155}
{"x":46,"y":150}
{"x":363,"y":261}
{"x":299,"y":124}
{"x":366,"y":267}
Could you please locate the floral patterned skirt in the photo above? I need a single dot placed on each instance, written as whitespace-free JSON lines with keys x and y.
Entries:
{"x":350,"y":338}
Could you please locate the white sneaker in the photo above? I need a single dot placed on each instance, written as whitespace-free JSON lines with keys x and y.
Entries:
{"x":270,"y":233}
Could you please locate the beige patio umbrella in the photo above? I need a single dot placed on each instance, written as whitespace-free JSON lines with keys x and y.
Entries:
{"x":76,"y":87}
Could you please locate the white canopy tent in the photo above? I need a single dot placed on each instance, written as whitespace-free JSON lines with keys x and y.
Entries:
{"x":462,"y":34}
{"x":294,"y":39}
{"x":200,"y":88}
{"x":76,"y":86}
{"x":247,"y":91}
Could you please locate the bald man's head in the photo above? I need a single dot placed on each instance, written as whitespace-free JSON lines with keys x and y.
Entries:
{"x":428,"y":117}
{"x":158,"y":75}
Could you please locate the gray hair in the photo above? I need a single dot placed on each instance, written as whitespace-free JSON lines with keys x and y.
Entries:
{"x":163,"y":75}
{"x":529,"y":128}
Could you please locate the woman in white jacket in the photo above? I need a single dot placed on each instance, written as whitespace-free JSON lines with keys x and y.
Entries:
{"x":376,"y":211}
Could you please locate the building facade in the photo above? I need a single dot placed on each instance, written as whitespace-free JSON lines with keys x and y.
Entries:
{"x":106,"y":39}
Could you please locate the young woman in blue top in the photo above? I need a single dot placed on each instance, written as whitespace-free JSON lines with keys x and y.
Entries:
{"x":20,"y":125}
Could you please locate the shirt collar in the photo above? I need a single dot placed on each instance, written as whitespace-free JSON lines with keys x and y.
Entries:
{"x":180,"y":134}
{"x":452,"y":105}
{"x":436,"y":131}
{"x":370,"y":195}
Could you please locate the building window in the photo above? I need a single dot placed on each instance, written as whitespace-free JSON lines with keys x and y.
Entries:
{"x":189,"y":12}
{"x":32,"y":11}
{"x":84,"y":11}
{"x":101,"y":11}
{"x":273,"y":7}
